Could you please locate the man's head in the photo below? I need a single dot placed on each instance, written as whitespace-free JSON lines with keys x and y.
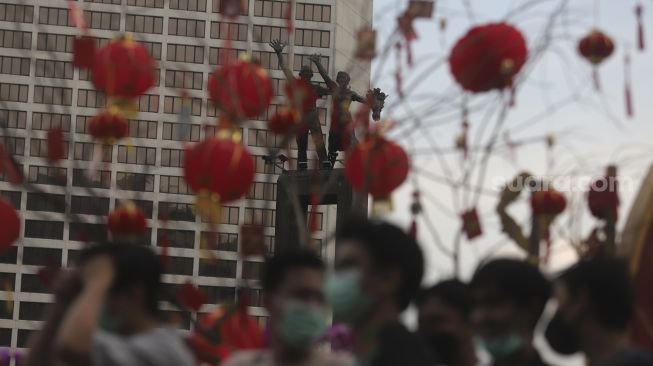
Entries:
{"x":343,"y":79}
{"x":593,"y":294}
{"x":508,"y":298}
{"x":306,"y":73}
{"x":376,"y":264}
{"x":136,"y":284}
{"x":293,"y":282}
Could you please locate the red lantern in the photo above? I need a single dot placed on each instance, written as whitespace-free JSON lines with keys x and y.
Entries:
{"x":108,"y":127}
{"x":127,"y":220}
{"x":596,"y":47}
{"x":220,"y":166}
{"x":10,"y":228}
{"x":123,"y":68}
{"x":488,"y":57}
{"x":603,"y":196}
{"x":377,"y":166}
{"x":241,"y":89}
{"x":283,"y":121}
{"x":548,"y":202}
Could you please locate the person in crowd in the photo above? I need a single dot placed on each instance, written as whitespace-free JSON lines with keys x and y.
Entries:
{"x":508,"y":299}
{"x":378,"y":271}
{"x":443,"y":318}
{"x":595,"y":306}
{"x":293,"y":283}
{"x":106,"y":314}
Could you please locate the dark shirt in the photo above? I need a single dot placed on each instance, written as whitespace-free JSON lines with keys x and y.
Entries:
{"x":631,"y":357}
{"x":397,"y":346}
{"x":535,"y":360}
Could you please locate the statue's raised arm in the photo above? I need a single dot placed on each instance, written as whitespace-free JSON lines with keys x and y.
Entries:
{"x":278,"y":47}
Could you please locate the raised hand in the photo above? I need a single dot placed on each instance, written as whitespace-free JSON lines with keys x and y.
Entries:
{"x":277,"y":46}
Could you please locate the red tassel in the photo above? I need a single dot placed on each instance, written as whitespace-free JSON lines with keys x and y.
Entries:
{"x":409,"y":53}
{"x":640,"y":27}
{"x":55,"y":145}
{"x":398,"y":77}
{"x":627,"y":88}
{"x":290,"y":26}
{"x":597,"y":80}
{"x":513,"y":96}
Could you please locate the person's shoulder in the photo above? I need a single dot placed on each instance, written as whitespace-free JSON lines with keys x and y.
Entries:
{"x":246,"y":358}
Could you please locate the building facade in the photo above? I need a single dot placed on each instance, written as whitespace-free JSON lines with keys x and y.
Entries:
{"x":40,"y":89}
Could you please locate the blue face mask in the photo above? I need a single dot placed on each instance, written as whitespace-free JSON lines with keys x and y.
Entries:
{"x":344,"y":294}
{"x":501,"y":347}
{"x":301,"y":325}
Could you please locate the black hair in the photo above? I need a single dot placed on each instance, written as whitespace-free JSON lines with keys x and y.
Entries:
{"x":133,"y":265}
{"x":608,"y":285}
{"x":516,"y":281}
{"x":454,"y":293}
{"x":276,"y":267}
{"x":389,"y":247}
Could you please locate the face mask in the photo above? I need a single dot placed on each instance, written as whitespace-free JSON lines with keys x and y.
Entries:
{"x":501,"y":347}
{"x":561,"y":337}
{"x":301,"y":325}
{"x":344,"y":294}
{"x":443,"y":344}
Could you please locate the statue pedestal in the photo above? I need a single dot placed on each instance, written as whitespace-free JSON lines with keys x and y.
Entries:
{"x":335,"y":191}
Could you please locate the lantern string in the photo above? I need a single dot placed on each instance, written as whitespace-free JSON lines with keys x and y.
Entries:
{"x":639,"y":9}
{"x":627,"y":86}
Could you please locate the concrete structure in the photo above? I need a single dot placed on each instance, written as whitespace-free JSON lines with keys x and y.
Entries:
{"x":40,"y":89}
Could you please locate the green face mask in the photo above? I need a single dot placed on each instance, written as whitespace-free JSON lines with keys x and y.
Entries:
{"x":501,"y":347}
{"x":301,"y":325}
{"x":344,"y":294}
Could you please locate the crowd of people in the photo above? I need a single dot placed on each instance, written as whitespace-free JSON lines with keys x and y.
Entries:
{"x":106,"y":310}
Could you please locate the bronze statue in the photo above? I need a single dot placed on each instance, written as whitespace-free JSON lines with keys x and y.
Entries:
{"x":307,"y":108}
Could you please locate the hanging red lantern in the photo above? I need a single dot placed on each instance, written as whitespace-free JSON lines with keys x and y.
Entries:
{"x":241,"y":89}
{"x":108,"y":127}
{"x":488,"y":57}
{"x":127,"y":220}
{"x":283,"y":121}
{"x":548,"y":202}
{"x":10,"y":228}
{"x":377,"y":166}
{"x":596,"y":47}
{"x":220,"y":166}
{"x":603,"y":196}
{"x":123,"y":68}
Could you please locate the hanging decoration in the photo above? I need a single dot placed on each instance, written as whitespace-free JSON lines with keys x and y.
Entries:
{"x":628,"y":95}
{"x":641,"y":39}
{"x":10,"y":228}
{"x":108,"y":127}
{"x":284,"y":121}
{"x":84,"y":45}
{"x":241,"y":90}
{"x":596,"y":47}
{"x":471,"y":224}
{"x":56,"y":145}
{"x":365,"y":44}
{"x":546,"y":205}
{"x":415,"y":210}
{"x":191,"y":297}
{"x":488,"y":57}
{"x":232,"y":8}
{"x":127,"y":220}
{"x":603,"y":196}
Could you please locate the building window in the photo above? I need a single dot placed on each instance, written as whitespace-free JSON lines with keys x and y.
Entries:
{"x":251,"y":270}
{"x":184,"y":79}
{"x":46,"y":121}
{"x":268,"y":60}
{"x":172,"y":158}
{"x":98,"y":179}
{"x":89,"y":205}
{"x":176,"y":211}
{"x":186,"y":27}
{"x":32,"y":283}
{"x":142,"y":129}
{"x":3,"y":174}
{"x":102,"y":20}
{"x":81,"y":231}
{"x":223,"y":56}
{"x":16,"y":13}
{"x":260,"y":216}
{"x":32,"y":311}
{"x":148,"y":103}
{"x":52,"y":95}
{"x":263,"y":191}
{"x":185,"y":53}
{"x":271,"y":9}
{"x":312,"y":38}
{"x":10,"y":255}
{"x":177,"y":238}
{"x":219,"y":295}
{"x":146,"y":3}
{"x":146,"y":206}
{"x":266,"y":33}
{"x":113,"y":2}
{"x":91,"y":98}
{"x":13,"y":92}
{"x":13,"y":145}
{"x":46,"y":202}
{"x":54,"y":42}
{"x":136,"y":155}
{"x":244,"y":9}
{"x":255,"y":297}
{"x":47,"y":175}
{"x":313,"y":12}
{"x":189,"y":5}
{"x":223,"y":268}
{"x":13,"y":119}
{"x":14,"y":65}
{"x":172,"y":105}
{"x":86,"y":150}
{"x":229,"y":215}
{"x":174,"y":185}
{"x":135,"y":182}
{"x":179,"y":266}
{"x":269,"y":112}
{"x":144,"y":24}
{"x":264,"y":168}
{"x":154,"y":48}
{"x":54,"y":16}
{"x":15,"y":39}
{"x":263,"y":138}
{"x":41,"y":256}
{"x":230,"y":31}
{"x":39,"y":148}
{"x":179,"y":132}
{"x":304,"y":60}
{"x":13,"y":197}
{"x":43,"y":229}
{"x":227,"y":242}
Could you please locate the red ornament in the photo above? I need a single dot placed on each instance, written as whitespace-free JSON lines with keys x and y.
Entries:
{"x":127,"y":220}
{"x":283,"y":121}
{"x":488,"y":57}
{"x":596,"y":47}
{"x":241,"y":89}
{"x":378,"y":166}
{"x":548,"y":202}
{"x":56,"y":145}
{"x":471,"y":224}
{"x":191,"y":296}
{"x":10,"y":228}
{"x":603,"y":196}
{"x":123,"y":68}
{"x":84,"y":52}
{"x":108,"y":127}
{"x":301,"y":94}
{"x":220,"y":166}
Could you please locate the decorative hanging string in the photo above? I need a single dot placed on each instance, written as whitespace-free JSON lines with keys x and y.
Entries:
{"x":550,"y":143}
{"x":290,"y":25}
{"x":639,"y":10}
{"x":398,"y":73}
{"x":415,"y":210}
{"x":627,"y":86}
{"x":77,"y":17}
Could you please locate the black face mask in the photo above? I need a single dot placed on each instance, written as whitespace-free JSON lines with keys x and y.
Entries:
{"x":561,"y":337}
{"x":443,"y":344}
